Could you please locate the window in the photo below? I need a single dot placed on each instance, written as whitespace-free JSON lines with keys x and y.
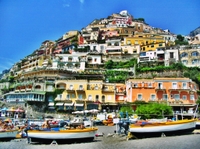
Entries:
{"x":71,"y":87}
{"x":80,"y":87}
{"x":152,"y":46}
{"x":128,"y":42}
{"x":184,"y":97}
{"x":97,"y":98}
{"x":96,"y":87}
{"x":165,"y":97}
{"x":191,"y":97}
{"x":103,"y":99}
{"x":171,"y":54}
{"x":94,"y":48}
{"x":136,"y":42}
{"x":176,"y":96}
{"x":184,"y":85}
{"x":185,"y":62}
{"x":149,"y":84}
{"x":80,"y":96}
{"x":89,"y":97}
{"x":160,"y":44}
{"x":160,"y":86}
{"x":184,"y":54}
{"x":153,"y":97}
{"x":174,"y":85}
{"x":135,"y":85}
{"x":95,"y":60}
{"x":195,"y":54}
{"x":73,"y":95}
{"x":139,"y":97}
{"x":195,"y":61}
{"x":59,"y":96}
{"x":68,"y":96}
{"x":172,"y":96}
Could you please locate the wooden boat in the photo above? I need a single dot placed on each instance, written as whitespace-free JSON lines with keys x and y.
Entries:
{"x":146,"y":129}
{"x":8,"y":134}
{"x":58,"y":134}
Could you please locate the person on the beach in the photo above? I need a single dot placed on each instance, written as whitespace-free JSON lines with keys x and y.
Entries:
{"x":46,"y":125}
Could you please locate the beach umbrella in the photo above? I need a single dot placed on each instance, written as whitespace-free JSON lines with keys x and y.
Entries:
{"x":94,"y":111}
{"x":12,"y":109}
{"x":19,"y":110}
{"x":86,"y":111}
{"x":4,"y":109}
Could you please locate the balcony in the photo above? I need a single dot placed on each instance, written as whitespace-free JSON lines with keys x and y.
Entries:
{"x":106,"y":89}
{"x":70,"y":89}
{"x":80,"y":89}
{"x":160,"y":88}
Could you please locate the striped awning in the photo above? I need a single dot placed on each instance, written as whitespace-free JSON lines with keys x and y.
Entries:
{"x":59,"y":104}
{"x":51,"y":104}
{"x":69,"y":104}
{"x":79,"y":104}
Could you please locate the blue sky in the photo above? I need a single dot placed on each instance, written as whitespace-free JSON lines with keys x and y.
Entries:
{"x":25,"y":24}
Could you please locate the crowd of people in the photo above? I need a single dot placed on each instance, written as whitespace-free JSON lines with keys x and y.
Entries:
{"x":6,"y":125}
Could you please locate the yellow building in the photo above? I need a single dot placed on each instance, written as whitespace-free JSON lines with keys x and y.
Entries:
{"x":84,"y":94}
{"x":148,"y":42}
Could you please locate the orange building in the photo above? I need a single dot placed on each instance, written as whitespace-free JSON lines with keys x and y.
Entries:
{"x":180,"y":93}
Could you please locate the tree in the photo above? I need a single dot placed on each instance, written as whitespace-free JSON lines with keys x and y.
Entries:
{"x":153,"y":110}
{"x":126,"y":109}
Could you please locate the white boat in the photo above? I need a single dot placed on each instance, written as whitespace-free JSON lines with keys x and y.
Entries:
{"x":62,"y":134}
{"x":8,"y":134}
{"x":146,"y":129}
{"x":198,"y":124}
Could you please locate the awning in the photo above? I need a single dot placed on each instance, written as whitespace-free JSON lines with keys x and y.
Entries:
{"x":69,"y":104}
{"x":79,"y":104}
{"x":59,"y":104}
{"x":51,"y":104}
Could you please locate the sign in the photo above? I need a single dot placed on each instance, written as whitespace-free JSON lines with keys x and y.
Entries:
{"x":116,"y":120}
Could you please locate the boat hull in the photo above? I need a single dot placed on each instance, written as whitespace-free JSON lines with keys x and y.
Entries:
{"x":8,"y":135}
{"x":62,"y":135}
{"x":166,"y":128}
{"x":198,"y":124}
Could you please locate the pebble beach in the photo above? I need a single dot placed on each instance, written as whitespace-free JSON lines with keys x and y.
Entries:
{"x":113,"y":141}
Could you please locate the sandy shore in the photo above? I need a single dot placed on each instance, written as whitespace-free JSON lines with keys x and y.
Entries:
{"x":110,"y":141}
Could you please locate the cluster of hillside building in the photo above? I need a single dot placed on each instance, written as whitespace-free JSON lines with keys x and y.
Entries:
{"x":75,"y":64}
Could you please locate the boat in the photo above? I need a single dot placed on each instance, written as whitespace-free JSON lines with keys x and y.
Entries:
{"x":62,"y":134}
{"x":148,"y":129}
{"x":198,"y":124}
{"x":8,"y":134}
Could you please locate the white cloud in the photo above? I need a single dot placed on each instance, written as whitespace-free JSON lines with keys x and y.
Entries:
{"x":81,"y":1}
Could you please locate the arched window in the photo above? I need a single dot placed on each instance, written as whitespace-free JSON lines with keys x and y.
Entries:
{"x":185,"y":62}
{"x":184,"y":54}
{"x":195,"y":61}
{"x":195,"y":53}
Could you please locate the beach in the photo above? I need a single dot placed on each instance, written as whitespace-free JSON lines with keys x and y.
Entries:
{"x":113,"y":141}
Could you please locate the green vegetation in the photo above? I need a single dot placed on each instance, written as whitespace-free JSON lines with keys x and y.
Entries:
{"x":127,"y":109}
{"x":153,"y":110}
{"x":116,"y":65}
{"x":181,"y":40}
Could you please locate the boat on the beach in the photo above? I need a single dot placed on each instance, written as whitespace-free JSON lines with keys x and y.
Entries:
{"x":8,"y":134}
{"x":62,"y":134}
{"x":198,"y":124}
{"x":147,"y":129}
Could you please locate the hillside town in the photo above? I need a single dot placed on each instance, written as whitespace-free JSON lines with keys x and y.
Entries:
{"x":104,"y":66}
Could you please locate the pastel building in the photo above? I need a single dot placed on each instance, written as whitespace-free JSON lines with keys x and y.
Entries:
{"x":180,"y":93}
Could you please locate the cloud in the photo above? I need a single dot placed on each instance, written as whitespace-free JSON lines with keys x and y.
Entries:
{"x":81,"y":1}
